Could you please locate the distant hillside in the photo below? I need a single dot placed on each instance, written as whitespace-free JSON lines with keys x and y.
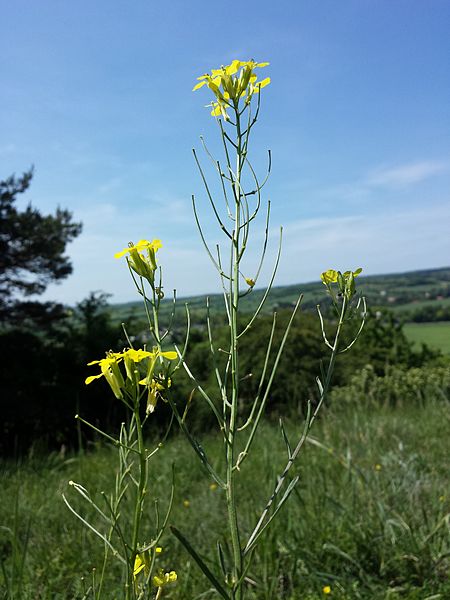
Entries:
{"x":402,"y":292}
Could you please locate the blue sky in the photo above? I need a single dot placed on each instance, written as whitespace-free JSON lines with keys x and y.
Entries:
{"x":97,"y":95}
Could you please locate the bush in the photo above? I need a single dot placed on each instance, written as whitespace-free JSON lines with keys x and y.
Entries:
{"x":397,"y":388}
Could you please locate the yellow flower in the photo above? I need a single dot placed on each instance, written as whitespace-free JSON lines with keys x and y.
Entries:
{"x":213,"y":487}
{"x":378,"y":467}
{"x":345,"y":281}
{"x":332,"y":276}
{"x":137,"y":355}
{"x":230,"y":83}
{"x":132,"y":357}
{"x":161,"y":579}
{"x":139,"y":565}
{"x":329,"y":276}
{"x":250,"y":282}
{"x":143,"y":264}
{"x":142,"y":561}
{"x":326,"y":589}
{"x":154,"y":389}
{"x":141,"y":245}
{"x":186,"y":503}
{"x":109,"y":369}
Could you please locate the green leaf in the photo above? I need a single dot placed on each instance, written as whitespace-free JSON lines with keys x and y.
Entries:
{"x":200,"y":562}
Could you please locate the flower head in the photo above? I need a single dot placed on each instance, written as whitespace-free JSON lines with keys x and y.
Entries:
{"x":155,"y":389}
{"x":141,"y":245}
{"x":161,"y":578}
{"x":142,"y":258}
{"x":326,"y":589}
{"x":109,"y":369}
{"x":139,"y":564}
{"x":232,"y":82}
{"x":345,"y":281}
{"x":142,"y":562}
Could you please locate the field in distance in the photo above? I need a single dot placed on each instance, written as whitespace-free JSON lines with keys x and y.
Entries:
{"x":405,"y":293}
{"x":434,"y":335}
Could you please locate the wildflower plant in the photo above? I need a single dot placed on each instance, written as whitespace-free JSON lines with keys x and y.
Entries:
{"x":236,"y":101}
{"x":137,"y":377}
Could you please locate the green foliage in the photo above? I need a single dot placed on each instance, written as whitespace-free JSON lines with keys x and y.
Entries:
{"x":43,"y":372}
{"x":398,"y":387}
{"x":430,"y":313}
{"x":383,"y":345}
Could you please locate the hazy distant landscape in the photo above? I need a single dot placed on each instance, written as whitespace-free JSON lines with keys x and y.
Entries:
{"x":419,"y":299}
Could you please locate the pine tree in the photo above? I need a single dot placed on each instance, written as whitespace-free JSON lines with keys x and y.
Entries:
{"x":32,"y":248}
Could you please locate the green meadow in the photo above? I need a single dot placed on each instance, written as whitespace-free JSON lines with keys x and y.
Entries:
{"x":434,"y":335}
{"x":370,"y":517}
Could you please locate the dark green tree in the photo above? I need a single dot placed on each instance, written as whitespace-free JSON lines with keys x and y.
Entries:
{"x":32,"y":254}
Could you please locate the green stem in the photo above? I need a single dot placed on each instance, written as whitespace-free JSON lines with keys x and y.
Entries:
{"x":237,"y":591}
{"x":143,"y":477}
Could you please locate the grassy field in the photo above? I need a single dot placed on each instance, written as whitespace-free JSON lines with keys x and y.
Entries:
{"x":369,"y":518}
{"x":435,"y":335}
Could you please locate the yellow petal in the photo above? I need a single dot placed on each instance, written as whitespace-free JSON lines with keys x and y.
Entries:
{"x":263,"y":83}
{"x":198,"y":86}
{"x":329,"y":276}
{"x":90,"y":379}
{"x":122,"y":253}
{"x":233,"y":68}
{"x":170,"y":355}
{"x":141,"y":245}
{"x":138,"y":355}
{"x":138,"y":565}
{"x":171,"y":577}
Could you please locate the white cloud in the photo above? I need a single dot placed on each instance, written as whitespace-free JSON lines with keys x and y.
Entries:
{"x":405,"y":175}
{"x":381,"y":180}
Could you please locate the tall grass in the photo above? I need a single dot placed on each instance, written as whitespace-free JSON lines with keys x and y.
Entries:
{"x":370,"y":517}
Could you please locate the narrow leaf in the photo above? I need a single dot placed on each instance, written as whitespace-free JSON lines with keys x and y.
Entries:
{"x":200,"y":562}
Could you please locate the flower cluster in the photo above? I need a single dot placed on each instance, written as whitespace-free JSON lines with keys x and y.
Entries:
{"x":110,"y":370}
{"x":142,"y":258}
{"x":161,"y":578}
{"x":345,"y":282}
{"x":231,"y":83}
